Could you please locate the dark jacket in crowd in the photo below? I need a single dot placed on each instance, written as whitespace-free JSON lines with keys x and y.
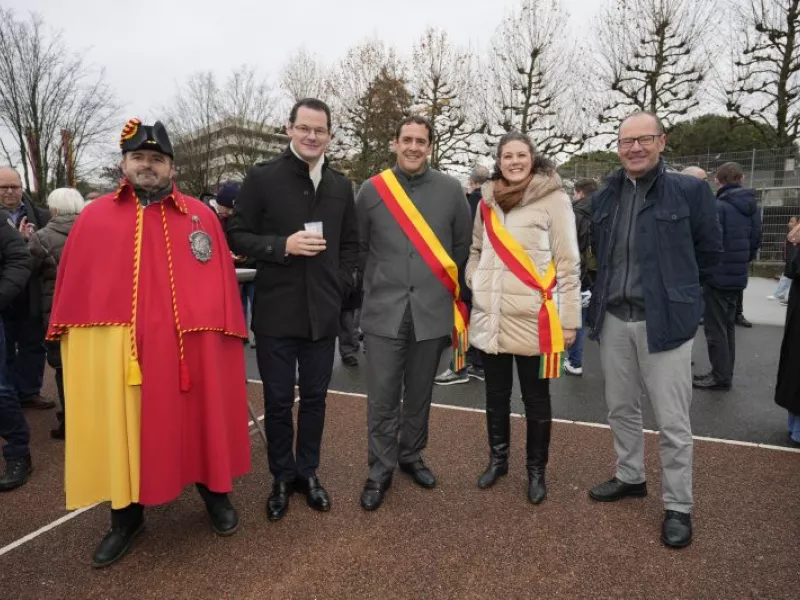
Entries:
{"x":740,"y":224}
{"x":674,"y":241}
{"x":296,"y":296}
{"x":29,"y":302}
{"x":473,"y":199}
{"x":583,"y":222}
{"x":15,"y":263}
{"x":54,"y":235}
{"x":46,"y":246}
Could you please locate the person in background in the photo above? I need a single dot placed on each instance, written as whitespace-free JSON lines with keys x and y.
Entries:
{"x":524,"y":250}
{"x":582,"y":206}
{"x":474,"y":366}
{"x":695,"y":172}
{"x":15,"y":269}
{"x":787,"y":387}
{"x":781,"y":292}
{"x":740,"y":224}
{"x":65,"y":205}
{"x":223,"y":204}
{"x":349,"y":342}
{"x":24,"y":332}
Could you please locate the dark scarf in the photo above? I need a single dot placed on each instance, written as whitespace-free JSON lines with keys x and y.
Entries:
{"x":507,"y":195}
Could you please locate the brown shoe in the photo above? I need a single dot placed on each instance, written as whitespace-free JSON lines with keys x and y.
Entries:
{"x":37,"y":402}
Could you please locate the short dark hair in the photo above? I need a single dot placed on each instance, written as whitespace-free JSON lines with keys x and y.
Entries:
{"x":730,"y":172}
{"x":540,"y":163}
{"x":645,"y":113}
{"x":313,"y":104}
{"x":416,"y":120}
{"x":587,"y":186}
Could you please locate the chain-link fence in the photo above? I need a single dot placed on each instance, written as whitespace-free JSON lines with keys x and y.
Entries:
{"x":774,"y":173}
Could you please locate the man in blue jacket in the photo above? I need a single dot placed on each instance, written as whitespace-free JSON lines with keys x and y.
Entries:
{"x":740,"y":223}
{"x":656,"y":238}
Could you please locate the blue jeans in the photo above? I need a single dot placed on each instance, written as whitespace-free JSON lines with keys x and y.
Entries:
{"x":782,"y":291}
{"x":25,"y":355}
{"x":575,"y":353}
{"x":13,"y":426}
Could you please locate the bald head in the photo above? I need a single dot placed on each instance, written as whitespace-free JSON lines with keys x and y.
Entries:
{"x":10,"y":188}
{"x":695,"y":172}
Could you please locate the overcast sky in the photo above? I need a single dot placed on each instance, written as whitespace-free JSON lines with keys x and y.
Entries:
{"x":148,"y":46}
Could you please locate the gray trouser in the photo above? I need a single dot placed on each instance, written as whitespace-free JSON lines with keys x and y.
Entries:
{"x":630,"y":368}
{"x":396,"y":365}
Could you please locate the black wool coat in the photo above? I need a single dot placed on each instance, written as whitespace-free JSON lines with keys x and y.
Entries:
{"x":296,"y":296}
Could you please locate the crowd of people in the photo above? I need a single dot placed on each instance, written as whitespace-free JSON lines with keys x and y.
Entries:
{"x":146,"y":340}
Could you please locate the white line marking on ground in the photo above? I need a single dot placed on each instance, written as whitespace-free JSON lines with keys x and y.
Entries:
{"x":583,"y":423}
{"x":76,"y":513}
{"x":45,"y":529}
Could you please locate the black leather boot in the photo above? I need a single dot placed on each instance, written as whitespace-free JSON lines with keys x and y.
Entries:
{"x":223,"y":516}
{"x":126,"y":524}
{"x":538,"y":446}
{"x":498,"y":425}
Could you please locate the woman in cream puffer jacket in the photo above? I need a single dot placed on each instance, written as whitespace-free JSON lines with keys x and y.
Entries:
{"x":527,"y":196}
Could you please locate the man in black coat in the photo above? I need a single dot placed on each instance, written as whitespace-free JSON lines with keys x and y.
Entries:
{"x":22,"y":318}
{"x":740,"y":224}
{"x":296,"y":217}
{"x":15,"y":269}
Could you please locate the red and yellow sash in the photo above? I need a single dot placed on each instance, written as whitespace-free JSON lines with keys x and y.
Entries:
{"x":430,"y":249}
{"x":513,"y":255}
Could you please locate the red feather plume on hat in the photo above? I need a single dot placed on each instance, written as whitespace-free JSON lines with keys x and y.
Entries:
{"x":130,"y":129}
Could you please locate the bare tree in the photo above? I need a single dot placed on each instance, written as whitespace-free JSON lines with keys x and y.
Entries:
{"x":766,"y":88}
{"x":350,"y":83}
{"x":249,"y":106}
{"x":443,"y":81}
{"x":653,"y":56}
{"x":47,"y":93}
{"x":220,"y":131}
{"x":530,"y":72}
{"x":193,"y":121}
{"x":304,"y":76}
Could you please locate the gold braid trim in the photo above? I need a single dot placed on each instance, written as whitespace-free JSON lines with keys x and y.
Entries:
{"x":184,"y":373}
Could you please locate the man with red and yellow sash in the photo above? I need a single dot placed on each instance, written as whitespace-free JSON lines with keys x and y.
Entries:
{"x":148,"y":313}
{"x":415,"y":231}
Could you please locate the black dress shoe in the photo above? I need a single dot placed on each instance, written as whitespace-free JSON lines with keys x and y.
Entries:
{"x":126,"y":525}
{"x":316,"y":496}
{"x":492,"y":473}
{"x":17,"y":473}
{"x":700,"y":376}
{"x":278,"y":501}
{"x":676,"y":531}
{"x":374,"y":491}
{"x":614,"y":489}
{"x":224,"y":517}
{"x":421,"y":474}
{"x":350,"y":361}
{"x":740,"y":320}
{"x":709,"y":383}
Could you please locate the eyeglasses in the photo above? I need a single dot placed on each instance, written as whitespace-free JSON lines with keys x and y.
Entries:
{"x":645,"y":141}
{"x":306,"y":130}
{"x":4,"y":189}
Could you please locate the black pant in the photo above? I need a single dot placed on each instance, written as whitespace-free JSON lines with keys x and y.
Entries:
{"x":54,"y":360}
{"x":499,"y":370}
{"x":278,"y":359}
{"x":720,"y":327}
{"x":740,"y":303}
{"x":13,"y":426}
{"x":25,"y":354}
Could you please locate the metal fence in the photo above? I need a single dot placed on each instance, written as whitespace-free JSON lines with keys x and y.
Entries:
{"x":774,"y":173}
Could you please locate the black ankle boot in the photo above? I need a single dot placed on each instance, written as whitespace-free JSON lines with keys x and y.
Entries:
{"x":126,"y":524}
{"x":538,"y":446}
{"x":17,"y":473}
{"x":498,"y":427}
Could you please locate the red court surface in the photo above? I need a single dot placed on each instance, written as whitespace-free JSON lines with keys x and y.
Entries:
{"x":455,"y":541}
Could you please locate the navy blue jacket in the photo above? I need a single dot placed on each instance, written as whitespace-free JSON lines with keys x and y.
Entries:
{"x":740,"y":223}
{"x":678,"y":246}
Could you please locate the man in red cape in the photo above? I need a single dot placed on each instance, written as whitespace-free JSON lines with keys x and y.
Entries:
{"x":148,"y":313}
